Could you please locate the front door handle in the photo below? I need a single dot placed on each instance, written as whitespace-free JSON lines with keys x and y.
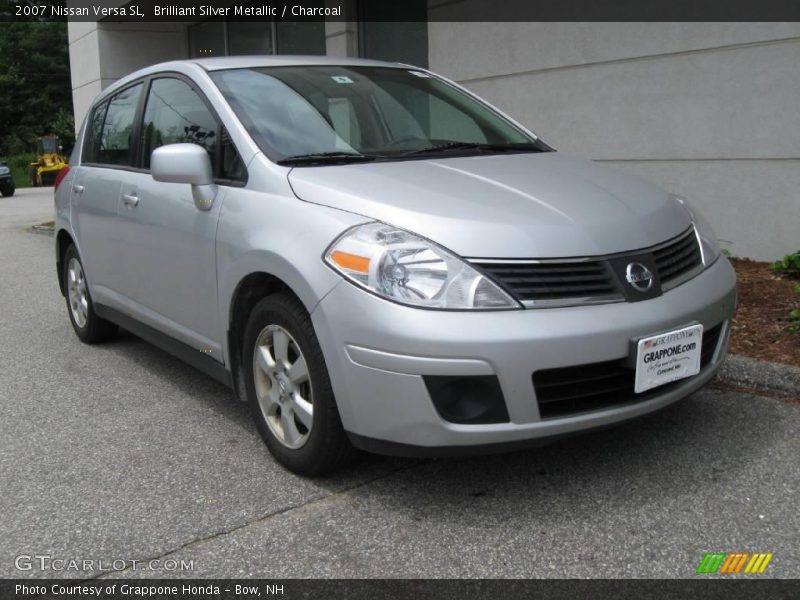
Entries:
{"x":77,"y":189}
{"x":130,"y":199}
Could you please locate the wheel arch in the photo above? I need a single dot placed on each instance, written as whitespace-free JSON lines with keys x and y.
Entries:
{"x":63,"y":241}
{"x":248,"y":292}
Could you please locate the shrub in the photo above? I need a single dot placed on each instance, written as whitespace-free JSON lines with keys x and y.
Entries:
{"x":19,"y":163}
{"x":794,"y":316}
{"x":788,"y":266}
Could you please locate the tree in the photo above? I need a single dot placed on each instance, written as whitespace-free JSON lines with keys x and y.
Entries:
{"x":35,"y":88}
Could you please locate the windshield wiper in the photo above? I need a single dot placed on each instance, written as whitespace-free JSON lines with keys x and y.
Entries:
{"x":482,"y":147}
{"x":325,"y":158}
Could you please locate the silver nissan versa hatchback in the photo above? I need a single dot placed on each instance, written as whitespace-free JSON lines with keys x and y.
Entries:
{"x":372,"y":257}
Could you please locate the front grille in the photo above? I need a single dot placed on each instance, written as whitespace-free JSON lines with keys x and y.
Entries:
{"x":678,"y":258}
{"x":585,"y":388}
{"x":552,"y":280}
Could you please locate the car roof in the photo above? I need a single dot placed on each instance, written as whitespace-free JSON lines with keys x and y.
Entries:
{"x":241,"y":62}
{"x":249,"y":62}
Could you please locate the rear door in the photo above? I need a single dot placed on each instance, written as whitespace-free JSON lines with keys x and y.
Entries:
{"x":106,"y":155}
{"x":167,"y":244}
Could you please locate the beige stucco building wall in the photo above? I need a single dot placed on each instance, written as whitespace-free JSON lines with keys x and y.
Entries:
{"x":708,"y":110}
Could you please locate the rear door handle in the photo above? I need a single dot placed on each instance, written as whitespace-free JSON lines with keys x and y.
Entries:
{"x":130,"y":199}
{"x":77,"y":189}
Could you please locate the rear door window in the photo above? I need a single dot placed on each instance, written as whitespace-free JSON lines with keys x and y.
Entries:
{"x":94,"y":129}
{"x":114,"y":146}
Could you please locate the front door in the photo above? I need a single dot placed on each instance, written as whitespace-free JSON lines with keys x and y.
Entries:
{"x":166,"y":243}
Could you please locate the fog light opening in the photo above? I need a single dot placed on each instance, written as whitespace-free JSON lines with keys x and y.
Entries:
{"x":468,"y":400}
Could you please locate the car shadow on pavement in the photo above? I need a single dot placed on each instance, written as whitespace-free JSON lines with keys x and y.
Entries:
{"x":160,"y":365}
{"x":677,"y":455}
{"x":672,"y":451}
{"x":153,"y":364}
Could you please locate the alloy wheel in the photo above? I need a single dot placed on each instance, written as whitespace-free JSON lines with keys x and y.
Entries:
{"x":78,"y":296}
{"x":283,"y":386}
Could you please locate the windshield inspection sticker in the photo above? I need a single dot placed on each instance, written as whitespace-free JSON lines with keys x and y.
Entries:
{"x":420,"y":74}
{"x":341,"y":79}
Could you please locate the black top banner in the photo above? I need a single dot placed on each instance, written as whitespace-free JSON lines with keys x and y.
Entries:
{"x":404,"y":10}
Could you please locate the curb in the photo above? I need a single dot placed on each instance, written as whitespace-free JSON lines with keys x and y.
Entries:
{"x":41,"y":229}
{"x":761,"y":374}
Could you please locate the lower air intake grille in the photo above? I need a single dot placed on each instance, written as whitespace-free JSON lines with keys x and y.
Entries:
{"x":585,"y":388}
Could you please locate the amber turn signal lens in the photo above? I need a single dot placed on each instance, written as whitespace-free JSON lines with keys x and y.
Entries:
{"x":351,"y":262}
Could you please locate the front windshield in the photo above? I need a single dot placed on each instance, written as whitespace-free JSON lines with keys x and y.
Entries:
{"x":375,"y":111}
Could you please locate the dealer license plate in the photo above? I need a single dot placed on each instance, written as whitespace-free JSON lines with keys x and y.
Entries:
{"x":668,"y":357}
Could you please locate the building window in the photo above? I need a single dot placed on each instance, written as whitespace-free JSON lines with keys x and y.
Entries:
{"x":301,"y":37}
{"x":249,"y":37}
{"x":218,"y":38}
{"x":207,"y":39}
{"x":385,"y":34}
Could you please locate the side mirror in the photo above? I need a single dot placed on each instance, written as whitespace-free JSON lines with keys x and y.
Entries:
{"x":186,"y":163}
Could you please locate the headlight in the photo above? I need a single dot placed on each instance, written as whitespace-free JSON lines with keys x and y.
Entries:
{"x":709,"y":246}
{"x":406,"y":268}
{"x":4,"y":170}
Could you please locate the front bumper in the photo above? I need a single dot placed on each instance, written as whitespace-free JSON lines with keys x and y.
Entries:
{"x":377,"y":353}
{"x":6,"y":181}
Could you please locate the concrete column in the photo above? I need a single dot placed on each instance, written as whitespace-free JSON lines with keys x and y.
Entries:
{"x":100,"y":53}
{"x":84,"y":64}
{"x":341,"y":38}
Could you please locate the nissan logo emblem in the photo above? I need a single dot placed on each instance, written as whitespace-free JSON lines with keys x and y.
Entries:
{"x":639,"y":276}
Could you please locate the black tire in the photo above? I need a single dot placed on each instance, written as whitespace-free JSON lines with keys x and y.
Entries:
{"x":327,"y":447}
{"x":95,"y":329}
{"x":8,"y":191}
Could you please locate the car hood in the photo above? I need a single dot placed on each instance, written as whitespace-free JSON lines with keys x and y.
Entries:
{"x":503,"y":206}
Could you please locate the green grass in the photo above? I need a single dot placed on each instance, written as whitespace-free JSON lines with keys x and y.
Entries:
{"x":19,"y":165}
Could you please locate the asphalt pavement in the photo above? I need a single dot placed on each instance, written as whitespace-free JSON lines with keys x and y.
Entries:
{"x":120,"y":452}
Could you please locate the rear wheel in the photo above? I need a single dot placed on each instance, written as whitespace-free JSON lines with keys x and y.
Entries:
{"x":288,"y":388}
{"x":8,"y":191}
{"x":87,"y":325}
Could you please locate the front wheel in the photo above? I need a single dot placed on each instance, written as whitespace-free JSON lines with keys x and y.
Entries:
{"x":289,"y":391}
{"x":87,"y":325}
{"x":9,"y":191}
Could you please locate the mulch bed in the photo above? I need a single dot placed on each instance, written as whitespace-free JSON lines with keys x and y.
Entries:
{"x":761,"y":325}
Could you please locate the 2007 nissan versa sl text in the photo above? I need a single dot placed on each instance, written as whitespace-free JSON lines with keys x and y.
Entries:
{"x":374,"y":258}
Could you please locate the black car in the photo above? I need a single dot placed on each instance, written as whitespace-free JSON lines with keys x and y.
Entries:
{"x":7,"y":186}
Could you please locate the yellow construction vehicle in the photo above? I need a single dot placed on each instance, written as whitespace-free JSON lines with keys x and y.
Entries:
{"x":49,"y":161}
